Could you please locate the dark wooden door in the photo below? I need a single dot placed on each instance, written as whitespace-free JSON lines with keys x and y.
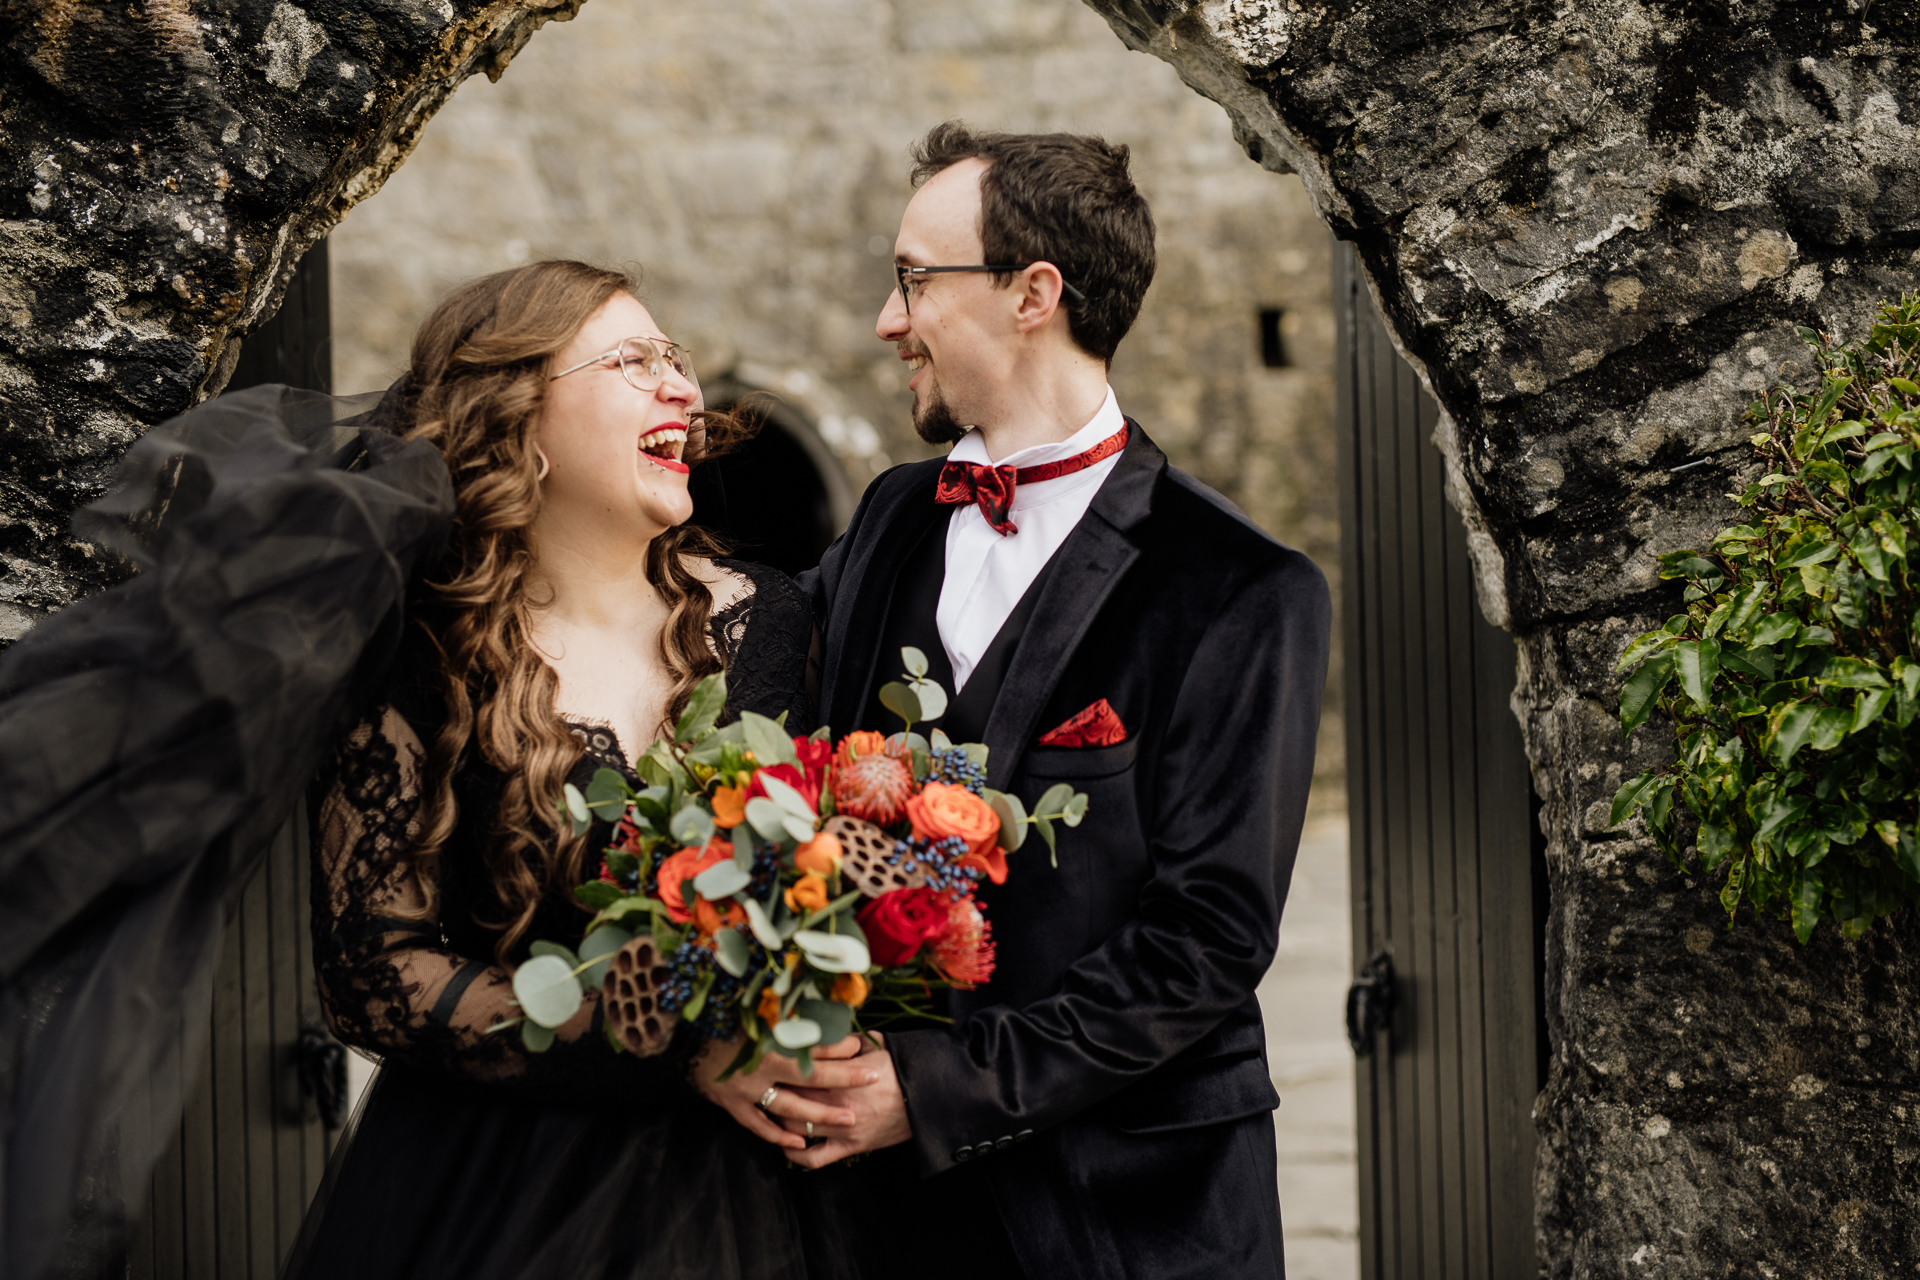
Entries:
{"x":226,"y":1199}
{"x":1444,"y":852}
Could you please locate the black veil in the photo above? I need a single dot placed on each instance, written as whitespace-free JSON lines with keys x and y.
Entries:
{"x":152,"y":740}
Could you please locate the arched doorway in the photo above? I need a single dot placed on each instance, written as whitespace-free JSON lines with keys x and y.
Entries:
{"x":782,"y":499}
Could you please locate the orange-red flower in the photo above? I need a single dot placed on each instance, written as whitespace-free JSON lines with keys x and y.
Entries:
{"x":769,"y":1005}
{"x":683,"y":866}
{"x":942,"y":810}
{"x":809,"y":893}
{"x":820,"y":855}
{"x":729,"y":807}
{"x":710,"y":919}
{"x":861,"y":742}
{"x":850,"y":989}
{"x":964,"y":953}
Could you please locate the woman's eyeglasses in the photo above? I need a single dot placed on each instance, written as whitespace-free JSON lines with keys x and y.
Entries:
{"x":644,"y":363}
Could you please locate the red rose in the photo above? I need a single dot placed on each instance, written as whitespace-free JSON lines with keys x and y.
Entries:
{"x":805,"y":785}
{"x":898,"y":923}
{"x":684,"y":866}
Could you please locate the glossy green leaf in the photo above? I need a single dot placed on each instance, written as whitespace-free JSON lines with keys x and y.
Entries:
{"x":1811,"y":546}
{"x":1851,"y":673}
{"x":1697,"y":663}
{"x":1637,"y":698}
{"x":1651,"y":642}
{"x":704,"y":705}
{"x":696,"y":1003}
{"x":598,"y":894}
{"x":1629,"y":797}
{"x":1791,"y":726}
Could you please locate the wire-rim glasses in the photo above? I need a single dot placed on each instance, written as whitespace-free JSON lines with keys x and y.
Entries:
{"x":644,"y":363}
{"x":905,"y":277}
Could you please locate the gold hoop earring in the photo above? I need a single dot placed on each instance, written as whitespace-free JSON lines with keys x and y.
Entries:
{"x":545,"y":466}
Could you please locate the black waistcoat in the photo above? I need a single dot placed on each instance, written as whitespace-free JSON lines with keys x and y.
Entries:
{"x":912,"y":620}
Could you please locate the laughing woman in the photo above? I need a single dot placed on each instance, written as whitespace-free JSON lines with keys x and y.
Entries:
{"x":564,"y":627}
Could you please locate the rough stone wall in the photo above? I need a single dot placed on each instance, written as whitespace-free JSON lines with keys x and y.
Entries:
{"x":750,"y":157}
{"x":1593,"y":225}
{"x":163,"y":166}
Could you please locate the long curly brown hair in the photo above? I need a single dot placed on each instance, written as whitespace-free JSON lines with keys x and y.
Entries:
{"x":476,"y":383}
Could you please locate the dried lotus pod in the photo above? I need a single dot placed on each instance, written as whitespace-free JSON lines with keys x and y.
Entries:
{"x":634,"y":979}
{"x":864,"y":851}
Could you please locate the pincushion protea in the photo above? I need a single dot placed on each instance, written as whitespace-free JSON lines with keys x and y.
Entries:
{"x":876,"y":788}
{"x":964,"y":953}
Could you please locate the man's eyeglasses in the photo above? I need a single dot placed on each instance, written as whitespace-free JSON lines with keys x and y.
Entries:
{"x":644,"y":363}
{"x":911,"y":278}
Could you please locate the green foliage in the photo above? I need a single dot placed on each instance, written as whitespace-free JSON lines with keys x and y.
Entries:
{"x":1791,"y":678}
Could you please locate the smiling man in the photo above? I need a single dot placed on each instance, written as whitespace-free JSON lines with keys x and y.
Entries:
{"x":1102,"y":1106}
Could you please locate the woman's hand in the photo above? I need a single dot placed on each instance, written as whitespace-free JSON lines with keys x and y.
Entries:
{"x":835,"y":1067}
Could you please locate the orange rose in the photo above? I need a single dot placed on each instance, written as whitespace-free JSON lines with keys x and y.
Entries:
{"x":712,"y":920}
{"x":850,"y":989}
{"x":941,"y":810}
{"x":684,"y":866}
{"x":769,"y":1005}
{"x":809,"y":894}
{"x":729,"y":807}
{"x":820,"y":855}
{"x":861,"y":742}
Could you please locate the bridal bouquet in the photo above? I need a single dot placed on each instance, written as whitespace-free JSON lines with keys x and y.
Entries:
{"x":785,"y":890}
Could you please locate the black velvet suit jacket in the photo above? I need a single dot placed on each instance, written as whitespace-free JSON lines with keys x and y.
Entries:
{"x":1110,"y":1083}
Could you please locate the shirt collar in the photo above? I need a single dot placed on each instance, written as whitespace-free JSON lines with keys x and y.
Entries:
{"x":1105,"y":421}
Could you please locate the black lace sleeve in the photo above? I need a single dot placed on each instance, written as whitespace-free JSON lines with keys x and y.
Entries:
{"x":391,"y":983}
{"x":763,"y":637}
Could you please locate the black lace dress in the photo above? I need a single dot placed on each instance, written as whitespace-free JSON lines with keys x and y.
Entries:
{"x":471,"y":1157}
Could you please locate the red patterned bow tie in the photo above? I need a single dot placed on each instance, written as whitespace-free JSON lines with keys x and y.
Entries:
{"x":991,"y":488}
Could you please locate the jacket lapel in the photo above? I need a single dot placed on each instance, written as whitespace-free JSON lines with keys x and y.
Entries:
{"x":1085,"y":570}
{"x":860,"y":619}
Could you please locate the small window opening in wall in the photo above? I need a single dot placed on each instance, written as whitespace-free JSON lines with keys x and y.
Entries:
{"x":1273,"y":344}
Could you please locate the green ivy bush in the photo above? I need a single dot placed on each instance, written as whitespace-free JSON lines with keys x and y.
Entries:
{"x":1791,"y":680}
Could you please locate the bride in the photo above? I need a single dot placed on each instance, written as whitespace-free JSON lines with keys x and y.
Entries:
{"x":567,"y":621}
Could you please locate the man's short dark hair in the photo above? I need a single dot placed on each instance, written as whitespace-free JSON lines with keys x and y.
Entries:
{"x":1063,"y":198}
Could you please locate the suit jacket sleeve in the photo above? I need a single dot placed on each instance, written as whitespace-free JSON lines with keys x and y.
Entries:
{"x":1227,"y":805}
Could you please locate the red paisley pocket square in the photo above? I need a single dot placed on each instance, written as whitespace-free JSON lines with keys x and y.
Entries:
{"x":1097,"y":726}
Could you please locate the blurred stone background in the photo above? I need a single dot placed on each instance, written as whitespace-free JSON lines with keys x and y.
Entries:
{"x":750,"y":157}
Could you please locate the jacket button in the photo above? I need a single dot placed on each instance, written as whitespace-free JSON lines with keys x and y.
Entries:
{"x":962,"y":1155}
{"x":1023,"y":1135}
{"x":1005,"y":1142}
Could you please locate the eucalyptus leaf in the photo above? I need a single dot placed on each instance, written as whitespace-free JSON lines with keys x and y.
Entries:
{"x":1013,"y":818}
{"x":767,"y":740}
{"x":763,"y":930}
{"x":789,"y":800}
{"x":721,"y":881}
{"x":692,"y":826}
{"x":536,"y":1038}
{"x":832,"y":952}
{"x":547,"y":990}
{"x":541,"y":947}
{"x":939,"y":740}
{"x":731,"y":952}
{"x":796,"y":1033}
{"x":834,"y":1019}
{"x":1054,"y":798}
{"x":768,"y":819}
{"x":901,"y":700}
{"x":607,"y":795}
{"x":598,"y":947}
{"x":915,"y":661}
{"x":932,"y":699}
{"x":1076,"y":809}
{"x":578,"y":815}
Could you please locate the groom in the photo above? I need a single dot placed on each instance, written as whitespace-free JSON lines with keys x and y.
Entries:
{"x":1102,"y":1107}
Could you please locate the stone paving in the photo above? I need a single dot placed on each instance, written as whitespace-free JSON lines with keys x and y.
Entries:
{"x":1302,"y":999}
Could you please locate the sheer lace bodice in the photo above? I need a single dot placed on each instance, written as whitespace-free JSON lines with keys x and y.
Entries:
{"x":420,"y":986}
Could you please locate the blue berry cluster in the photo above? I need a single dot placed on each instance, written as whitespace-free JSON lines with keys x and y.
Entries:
{"x":954,"y":768}
{"x":940,"y":860}
{"x":689,"y":962}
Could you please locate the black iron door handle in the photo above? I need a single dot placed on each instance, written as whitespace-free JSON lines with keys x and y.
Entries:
{"x":321,"y":1063}
{"x":1370,"y":1003}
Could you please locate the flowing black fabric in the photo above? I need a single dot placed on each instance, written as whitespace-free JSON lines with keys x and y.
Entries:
{"x":152,"y":740}
{"x":472,"y":1157}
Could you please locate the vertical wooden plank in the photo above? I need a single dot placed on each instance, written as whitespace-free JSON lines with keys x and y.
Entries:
{"x":288,"y":1133}
{"x":229,"y":1105}
{"x":258,"y":1121}
{"x":198,"y":1207}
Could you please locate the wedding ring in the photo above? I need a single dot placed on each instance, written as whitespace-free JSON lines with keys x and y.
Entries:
{"x":809,"y":1128}
{"x":766,"y":1099}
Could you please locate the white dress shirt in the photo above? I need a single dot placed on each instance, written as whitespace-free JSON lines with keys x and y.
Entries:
{"x":987,"y":573}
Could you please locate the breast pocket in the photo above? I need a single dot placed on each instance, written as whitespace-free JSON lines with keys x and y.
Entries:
{"x":1080,"y":764}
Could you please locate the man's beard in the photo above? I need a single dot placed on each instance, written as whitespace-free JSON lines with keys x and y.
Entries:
{"x":934,"y":421}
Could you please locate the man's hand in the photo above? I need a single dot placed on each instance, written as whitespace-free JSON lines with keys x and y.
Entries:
{"x":836,"y":1071}
{"x":876,"y":1112}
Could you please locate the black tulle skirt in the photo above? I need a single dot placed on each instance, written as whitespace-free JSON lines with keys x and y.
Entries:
{"x":436,"y":1179}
